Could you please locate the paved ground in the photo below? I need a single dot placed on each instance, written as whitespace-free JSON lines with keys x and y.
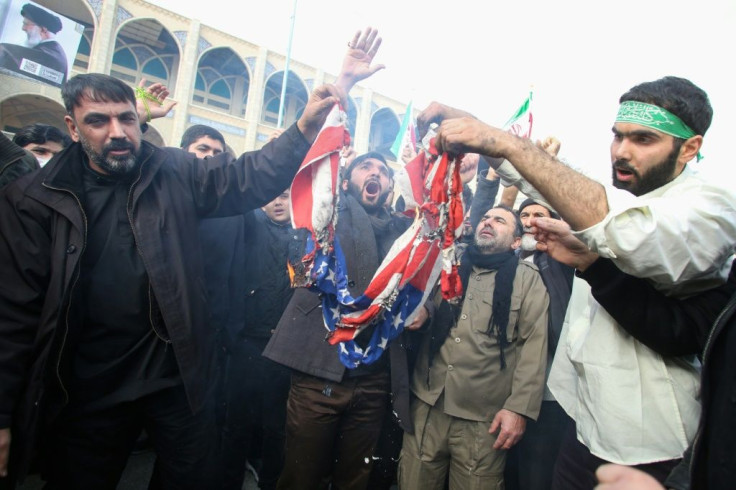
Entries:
{"x":135,"y":476}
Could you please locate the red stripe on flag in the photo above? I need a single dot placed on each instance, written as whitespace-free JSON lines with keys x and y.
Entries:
{"x":324,"y":151}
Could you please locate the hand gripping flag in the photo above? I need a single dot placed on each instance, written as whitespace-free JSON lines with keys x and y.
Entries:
{"x":314,"y":193}
{"x":412,"y":266}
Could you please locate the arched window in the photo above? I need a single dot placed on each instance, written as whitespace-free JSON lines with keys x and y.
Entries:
{"x":145,"y":49}
{"x":295,"y":100}
{"x":222,"y":81}
{"x":126,"y":59}
{"x":155,"y":68}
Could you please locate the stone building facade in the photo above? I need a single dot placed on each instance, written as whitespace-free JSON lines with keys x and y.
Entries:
{"x":216,"y":79}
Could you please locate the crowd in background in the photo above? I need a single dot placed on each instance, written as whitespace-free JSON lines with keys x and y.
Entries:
{"x":145,"y":301}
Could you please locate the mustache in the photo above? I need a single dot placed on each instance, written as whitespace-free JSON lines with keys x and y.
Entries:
{"x":624,"y":165}
{"x":119,"y":146}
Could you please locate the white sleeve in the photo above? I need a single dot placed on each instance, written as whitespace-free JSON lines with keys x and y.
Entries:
{"x":683,"y":231}
{"x":511,"y":177}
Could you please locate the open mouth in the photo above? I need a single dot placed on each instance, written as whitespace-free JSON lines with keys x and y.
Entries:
{"x":624,"y":175}
{"x":372,"y":188}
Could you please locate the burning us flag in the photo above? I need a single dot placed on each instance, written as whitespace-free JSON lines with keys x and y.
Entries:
{"x":417,"y":259}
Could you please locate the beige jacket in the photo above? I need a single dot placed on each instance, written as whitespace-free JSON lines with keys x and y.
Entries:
{"x":468,"y":367}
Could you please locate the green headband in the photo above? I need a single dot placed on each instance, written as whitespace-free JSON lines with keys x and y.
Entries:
{"x":654,"y":117}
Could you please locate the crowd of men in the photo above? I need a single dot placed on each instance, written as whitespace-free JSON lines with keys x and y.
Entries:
{"x":145,"y":290}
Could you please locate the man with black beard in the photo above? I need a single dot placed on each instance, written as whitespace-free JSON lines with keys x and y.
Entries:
{"x":660,"y":221}
{"x":479,"y":375}
{"x":103,"y":315}
{"x":530,"y":463}
{"x":335,"y":414}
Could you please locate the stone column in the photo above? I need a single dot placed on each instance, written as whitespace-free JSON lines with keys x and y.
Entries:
{"x":188,"y":64}
{"x":103,"y":42}
{"x":255,"y":98}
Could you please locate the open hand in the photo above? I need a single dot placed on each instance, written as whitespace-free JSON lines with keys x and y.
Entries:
{"x":356,"y":65}
{"x":156,"y":100}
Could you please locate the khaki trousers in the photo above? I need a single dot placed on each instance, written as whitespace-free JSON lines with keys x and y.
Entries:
{"x":441,"y":444}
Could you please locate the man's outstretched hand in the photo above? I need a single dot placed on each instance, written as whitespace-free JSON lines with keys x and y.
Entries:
{"x":436,"y":113}
{"x":356,"y":65}
{"x":155,"y":98}
{"x":617,"y":477}
{"x":555,"y":237}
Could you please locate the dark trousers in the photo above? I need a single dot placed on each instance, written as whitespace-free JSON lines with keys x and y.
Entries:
{"x":575,"y":468}
{"x":530,"y":464}
{"x":89,"y":449}
{"x":256,"y":392}
{"x":386,"y":455}
{"x":331,"y":431}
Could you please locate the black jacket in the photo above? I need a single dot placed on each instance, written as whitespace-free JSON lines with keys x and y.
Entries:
{"x":668,"y":326}
{"x":14,"y":161}
{"x":247,"y":280}
{"x":43,"y":236}
{"x":300,"y":338}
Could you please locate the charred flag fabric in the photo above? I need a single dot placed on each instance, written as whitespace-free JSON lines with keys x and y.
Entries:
{"x":423,"y":254}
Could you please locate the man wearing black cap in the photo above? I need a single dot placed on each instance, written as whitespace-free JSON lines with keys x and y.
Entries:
{"x":41,"y":27}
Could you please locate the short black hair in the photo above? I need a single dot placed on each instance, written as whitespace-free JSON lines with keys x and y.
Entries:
{"x":361,"y":158}
{"x":518,"y":228}
{"x":677,"y":95}
{"x":40,"y":133}
{"x":193,"y":133}
{"x":96,"y":87}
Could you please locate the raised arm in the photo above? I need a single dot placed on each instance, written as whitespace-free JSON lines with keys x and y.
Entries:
{"x":580,"y":200}
{"x":356,"y":65}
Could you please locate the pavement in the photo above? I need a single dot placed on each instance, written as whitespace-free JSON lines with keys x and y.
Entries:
{"x":135,"y":476}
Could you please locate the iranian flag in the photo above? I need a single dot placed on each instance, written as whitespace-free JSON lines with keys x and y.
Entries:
{"x":520,"y":123}
{"x":406,"y":135}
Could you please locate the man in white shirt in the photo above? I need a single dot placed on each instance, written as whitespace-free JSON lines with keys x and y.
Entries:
{"x":661,"y":221}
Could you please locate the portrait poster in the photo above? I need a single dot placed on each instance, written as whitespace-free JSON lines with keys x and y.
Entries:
{"x":36,"y":42}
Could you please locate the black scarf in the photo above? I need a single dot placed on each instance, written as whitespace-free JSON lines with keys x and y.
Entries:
{"x":505,"y":264}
